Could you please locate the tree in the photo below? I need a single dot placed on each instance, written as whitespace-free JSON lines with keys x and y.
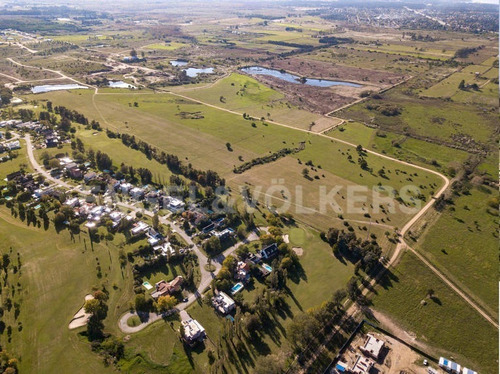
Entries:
{"x":155,"y":221}
{"x":352,"y":288}
{"x":303,"y":329}
{"x":252,"y":324}
{"x":54,"y":163}
{"x":133,"y":53}
{"x":212,"y":245}
{"x":140,"y":303}
{"x":430,"y":293}
{"x":332,"y":236}
{"x":5,"y":96}
{"x":461,"y":85}
{"x":165,"y":303}
{"x":59,"y":219}
{"x":305,"y":172}
{"x":286,"y":263}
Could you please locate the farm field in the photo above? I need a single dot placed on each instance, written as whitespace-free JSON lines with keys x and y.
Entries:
{"x":432,"y":118}
{"x":400,"y":296}
{"x":158,"y":119}
{"x":246,"y":95}
{"x":332,"y":169}
{"x":450,"y":244}
{"x":400,"y":146}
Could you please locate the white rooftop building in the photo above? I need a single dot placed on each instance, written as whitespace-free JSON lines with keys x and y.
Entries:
{"x":373,"y":346}
{"x":223,"y":303}
{"x":193,"y":331}
{"x":139,"y":228}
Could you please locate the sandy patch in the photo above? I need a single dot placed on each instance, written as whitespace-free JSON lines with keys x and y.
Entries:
{"x":298,"y":250}
{"x":80,"y":318}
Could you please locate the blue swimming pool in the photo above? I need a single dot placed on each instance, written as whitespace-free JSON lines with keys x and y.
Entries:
{"x":236,"y":288}
{"x":267,"y":267}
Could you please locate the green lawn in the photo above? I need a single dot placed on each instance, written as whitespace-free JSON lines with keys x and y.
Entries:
{"x":447,"y":323}
{"x":120,"y":153}
{"x":452,"y":244}
{"x":433,"y":118}
{"x":246,"y":95}
{"x":56,"y":275}
{"x":412,"y":150}
{"x":165,"y":46}
{"x":16,"y":163}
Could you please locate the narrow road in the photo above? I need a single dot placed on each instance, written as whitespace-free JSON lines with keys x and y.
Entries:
{"x":61,"y":74}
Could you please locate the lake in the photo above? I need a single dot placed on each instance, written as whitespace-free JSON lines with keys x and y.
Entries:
{"x":178,"y":63}
{"x":193,"y":72}
{"x":292,"y":78}
{"x":120,"y":84}
{"x":57,"y":87}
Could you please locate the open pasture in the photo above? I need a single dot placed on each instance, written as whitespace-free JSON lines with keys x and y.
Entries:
{"x":401,"y":295}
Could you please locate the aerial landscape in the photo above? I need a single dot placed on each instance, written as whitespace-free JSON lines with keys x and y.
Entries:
{"x":267,"y":187}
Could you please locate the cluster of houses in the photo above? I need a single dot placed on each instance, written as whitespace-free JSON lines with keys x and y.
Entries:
{"x":23,"y":181}
{"x":453,"y":367}
{"x":370,"y":352}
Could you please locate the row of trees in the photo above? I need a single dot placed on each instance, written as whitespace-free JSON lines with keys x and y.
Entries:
{"x":174,"y":164}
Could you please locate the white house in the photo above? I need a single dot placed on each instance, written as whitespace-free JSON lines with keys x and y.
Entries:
{"x":449,"y":366}
{"x":372,"y":346}
{"x":223,"y":303}
{"x":139,"y":228}
{"x":193,"y":331}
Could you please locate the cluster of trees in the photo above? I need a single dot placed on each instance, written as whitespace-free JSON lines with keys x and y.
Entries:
{"x":466,"y":51}
{"x":5,"y":96}
{"x":365,"y":253}
{"x":108,"y":346}
{"x":267,"y":159}
{"x":386,"y":110}
{"x":8,"y":364}
{"x":332,"y":40}
{"x":205,"y":178}
{"x":308,"y":327}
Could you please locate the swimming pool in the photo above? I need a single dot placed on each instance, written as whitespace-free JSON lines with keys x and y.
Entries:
{"x":147,"y":285}
{"x":236,"y":288}
{"x":267,"y":267}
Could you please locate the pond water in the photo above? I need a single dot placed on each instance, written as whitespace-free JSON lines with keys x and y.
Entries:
{"x":57,"y":87}
{"x":120,"y":84}
{"x":292,"y":78}
{"x":178,"y":63}
{"x":193,"y":72}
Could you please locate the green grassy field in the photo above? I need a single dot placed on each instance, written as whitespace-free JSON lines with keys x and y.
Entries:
{"x":56,"y":275}
{"x":412,"y":150}
{"x":451,"y":243}
{"x":165,"y":46}
{"x":15,"y":164}
{"x":446,"y":323}
{"x":120,"y":153}
{"x":432,"y":118}
{"x":375,"y":60}
{"x":246,"y":95}
{"x":399,"y":49}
